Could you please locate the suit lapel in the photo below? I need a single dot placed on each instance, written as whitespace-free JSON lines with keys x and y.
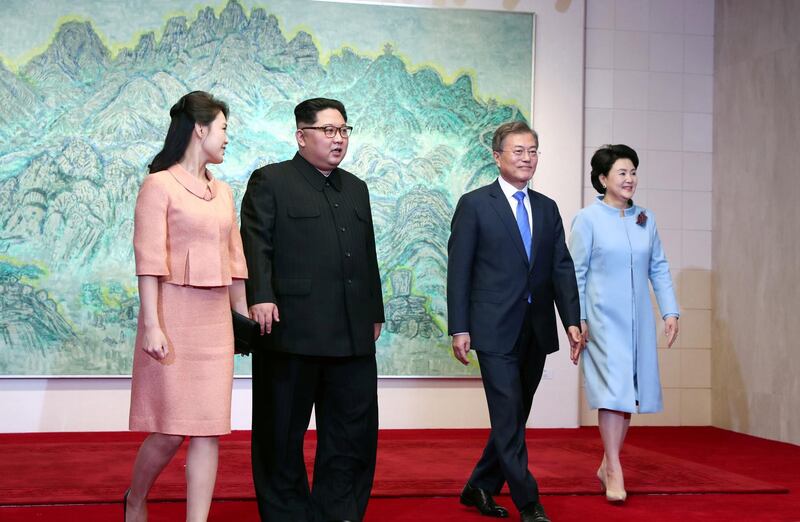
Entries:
{"x":503,"y":210}
{"x":537,"y":220}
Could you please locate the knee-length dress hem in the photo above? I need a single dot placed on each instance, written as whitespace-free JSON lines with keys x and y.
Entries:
{"x":616,"y":259}
{"x":187,"y":429}
{"x":186,"y":234}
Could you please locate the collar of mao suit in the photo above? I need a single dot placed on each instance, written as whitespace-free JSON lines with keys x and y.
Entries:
{"x":204,"y":190}
{"x":314,"y":177}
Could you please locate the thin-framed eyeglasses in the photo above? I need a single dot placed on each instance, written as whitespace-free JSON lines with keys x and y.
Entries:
{"x":520,"y":152}
{"x":330,"y":130}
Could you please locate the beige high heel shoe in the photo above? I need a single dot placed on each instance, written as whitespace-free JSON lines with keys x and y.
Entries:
{"x":611,"y":495}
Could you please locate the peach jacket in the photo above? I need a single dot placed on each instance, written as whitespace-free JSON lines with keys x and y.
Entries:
{"x":185,"y":230}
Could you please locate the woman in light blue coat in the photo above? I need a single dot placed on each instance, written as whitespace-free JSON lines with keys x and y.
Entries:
{"x":616,"y":251}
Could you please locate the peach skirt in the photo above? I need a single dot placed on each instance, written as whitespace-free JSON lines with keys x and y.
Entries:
{"x":189,"y":392}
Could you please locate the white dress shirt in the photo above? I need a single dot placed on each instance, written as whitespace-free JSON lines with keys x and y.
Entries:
{"x":509,"y":190}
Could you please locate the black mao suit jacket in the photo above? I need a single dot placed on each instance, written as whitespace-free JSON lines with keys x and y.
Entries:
{"x":489,"y":276}
{"x":310,"y":248}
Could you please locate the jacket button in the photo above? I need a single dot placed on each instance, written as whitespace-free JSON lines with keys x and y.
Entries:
{"x":347,"y":254}
{"x":343,"y":229}
{"x":335,"y":205}
{"x":349,"y":281}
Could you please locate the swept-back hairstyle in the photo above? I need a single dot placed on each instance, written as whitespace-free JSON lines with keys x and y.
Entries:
{"x":511,"y":127}
{"x":195,"y":107}
{"x":306,"y":111}
{"x":604,"y":159}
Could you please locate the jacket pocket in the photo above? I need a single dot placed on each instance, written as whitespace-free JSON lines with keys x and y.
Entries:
{"x":292,"y":286}
{"x":303,"y":211}
{"x":486,"y":296}
{"x":363,"y":215}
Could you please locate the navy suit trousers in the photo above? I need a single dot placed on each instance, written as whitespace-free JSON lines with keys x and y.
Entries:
{"x":510,"y":381}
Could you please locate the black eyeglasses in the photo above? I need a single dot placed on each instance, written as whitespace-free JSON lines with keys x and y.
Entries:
{"x":330,"y":131}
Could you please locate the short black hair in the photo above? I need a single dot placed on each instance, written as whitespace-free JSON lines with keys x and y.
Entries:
{"x":306,"y":111}
{"x":605,"y":157}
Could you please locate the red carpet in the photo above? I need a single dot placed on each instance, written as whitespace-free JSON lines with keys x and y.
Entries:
{"x":761,"y":459}
{"x":81,"y":468}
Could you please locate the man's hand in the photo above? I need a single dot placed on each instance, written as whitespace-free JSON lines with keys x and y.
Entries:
{"x":377,"y":330}
{"x":265,"y":314}
{"x":461,"y":346}
{"x":576,"y":343}
{"x":671,"y":329}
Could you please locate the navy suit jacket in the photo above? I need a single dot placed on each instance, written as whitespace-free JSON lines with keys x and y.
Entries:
{"x":489,"y":276}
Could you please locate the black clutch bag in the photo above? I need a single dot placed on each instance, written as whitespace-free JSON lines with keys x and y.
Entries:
{"x":246,"y":333}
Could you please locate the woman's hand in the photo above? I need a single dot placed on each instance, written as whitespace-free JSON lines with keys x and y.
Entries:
{"x":671,"y":329}
{"x":154,"y":343}
{"x":585,"y":331}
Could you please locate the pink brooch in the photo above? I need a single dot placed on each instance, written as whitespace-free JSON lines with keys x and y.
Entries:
{"x":641,"y":219}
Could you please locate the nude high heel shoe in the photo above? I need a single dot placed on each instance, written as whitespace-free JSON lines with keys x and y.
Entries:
{"x":601,"y":476}
{"x":616,"y":496}
{"x":611,"y":495}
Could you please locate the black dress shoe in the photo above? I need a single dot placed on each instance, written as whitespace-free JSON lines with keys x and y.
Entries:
{"x":533,"y":513}
{"x":482,"y":499}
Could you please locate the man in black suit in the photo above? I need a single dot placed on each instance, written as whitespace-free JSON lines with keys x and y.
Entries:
{"x":315,"y":289}
{"x":507,"y":264}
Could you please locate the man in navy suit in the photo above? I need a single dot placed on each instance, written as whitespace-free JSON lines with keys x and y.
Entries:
{"x":507,"y":264}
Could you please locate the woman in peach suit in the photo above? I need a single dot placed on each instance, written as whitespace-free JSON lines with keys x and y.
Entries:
{"x":191,"y":271}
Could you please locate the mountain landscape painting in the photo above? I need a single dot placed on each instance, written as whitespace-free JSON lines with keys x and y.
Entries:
{"x":84,"y":111}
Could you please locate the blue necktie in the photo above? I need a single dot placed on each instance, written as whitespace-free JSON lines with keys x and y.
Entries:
{"x":522,"y":222}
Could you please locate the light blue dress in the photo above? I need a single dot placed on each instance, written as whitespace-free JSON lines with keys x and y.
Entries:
{"x":614,"y":259}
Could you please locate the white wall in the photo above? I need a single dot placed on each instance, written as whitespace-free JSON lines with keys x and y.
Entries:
{"x":31,"y":405}
{"x":756,"y":389}
{"x":46,"y":405}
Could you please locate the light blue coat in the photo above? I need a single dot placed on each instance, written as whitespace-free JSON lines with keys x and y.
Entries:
{"x":614,"y":259}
